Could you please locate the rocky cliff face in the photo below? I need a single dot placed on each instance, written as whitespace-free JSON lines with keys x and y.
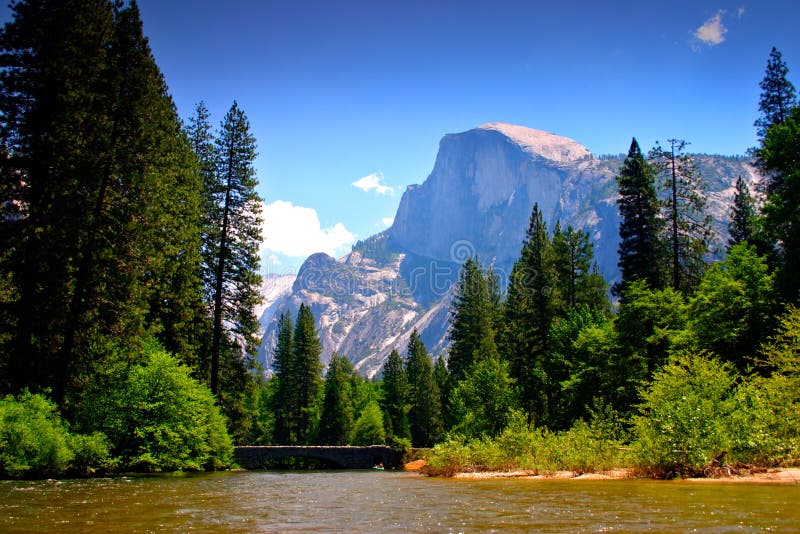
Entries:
{"x":477,"y":200}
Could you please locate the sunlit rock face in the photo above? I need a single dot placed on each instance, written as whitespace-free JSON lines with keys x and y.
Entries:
{"x":476,"y":201}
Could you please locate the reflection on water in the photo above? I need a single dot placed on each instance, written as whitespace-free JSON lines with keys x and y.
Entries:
{"x":370,"y":501}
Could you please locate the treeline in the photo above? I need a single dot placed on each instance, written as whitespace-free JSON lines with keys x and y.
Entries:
{"x":689,"y":351}
{"x":700,"y":359}
{"x":127,"y":238}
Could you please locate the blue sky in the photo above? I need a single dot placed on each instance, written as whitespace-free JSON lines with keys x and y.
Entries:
{"x":342,"y":93}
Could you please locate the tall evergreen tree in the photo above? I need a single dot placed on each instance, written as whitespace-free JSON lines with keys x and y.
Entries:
{"x":396,"y":396}
{"x":688,"y":226}
{"x":104,"y":237}
{"x":201,"y":138}
{"x":425,"y":419}
{"x":284,"y":398}
{"x":777,"y":94}
{"x":779,"y":159}
{"x":307,"y":374}
{"x":445,"y":384}
{"x":639,"y":223}
{"x":472,"y":317}
{"x":742,"y":216}
{"x":236,"y":278}
{"x":578,"y":281}
{"x":529,"y":311}
{"x":337,"y":418}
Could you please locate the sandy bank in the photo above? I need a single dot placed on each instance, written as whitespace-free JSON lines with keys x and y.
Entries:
{"x":771,"y":476}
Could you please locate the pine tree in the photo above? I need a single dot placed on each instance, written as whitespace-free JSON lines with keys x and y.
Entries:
{"x":106,"y":250}
{"x":336,"y":421}
{"x":425,"y":413}
{"x":46,"y":49}
{"x":688,"y":227}
{"x":284,"y":398}
{"x":445,"y":384}
{"x":472,"y":317}
{"x":307,"y":374}
{"x":202,"y":141}
{"x":742,"y":215}
{"x":395,"y":396}
{"x":779,"y":159}
{"x":639,"y":223}
{"x":578,"y":281}
{"x":236,"y":278}
{"x":777,"y":94}
{"x":529,"y":310}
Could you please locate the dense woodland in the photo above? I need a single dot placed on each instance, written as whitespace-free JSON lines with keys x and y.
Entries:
{"x":129,"y":273}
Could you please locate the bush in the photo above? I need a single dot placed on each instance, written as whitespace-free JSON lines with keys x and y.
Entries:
{"x":92,"y":452}
{"x":685,"y":417}
{"x":157,"y":417}
{"x":368,"y":429}
{"x":483,"y":402}
{"x":581,"y":449}
{"x":33,"y":440}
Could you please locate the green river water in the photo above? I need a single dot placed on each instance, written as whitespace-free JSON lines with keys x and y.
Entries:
{"x":387,"y":501}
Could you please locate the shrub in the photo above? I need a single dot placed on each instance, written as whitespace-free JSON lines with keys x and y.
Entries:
{"x":33,"y":440}
{"x":685,"y":416}
{"x":483,"y":402}
{"x":581,"y":449}
{"x":368,"y":429}
{"x":157,"y":417}
{"x":92,"y":452}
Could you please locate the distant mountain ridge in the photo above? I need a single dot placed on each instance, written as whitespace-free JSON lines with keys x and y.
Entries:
{"x":476,"y":201}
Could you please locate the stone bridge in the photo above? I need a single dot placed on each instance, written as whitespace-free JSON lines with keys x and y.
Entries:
{"x":344,"y":457}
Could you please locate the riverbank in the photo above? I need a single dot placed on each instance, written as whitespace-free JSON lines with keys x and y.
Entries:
{"x":785,"y":475}
{"x":767,"y":476}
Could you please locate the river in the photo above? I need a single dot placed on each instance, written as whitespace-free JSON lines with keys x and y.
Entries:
{"x":386,"y":501}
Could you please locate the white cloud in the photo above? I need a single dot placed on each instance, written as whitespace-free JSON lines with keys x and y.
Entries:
{"x":273,"y":260}
{"x":713,"y":31}
{"x":372,"y":182}
{"x":740,"y":12}
{"x":387,"y":221}
{"x":295,"y":231}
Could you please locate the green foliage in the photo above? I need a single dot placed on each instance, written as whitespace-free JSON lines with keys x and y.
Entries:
{"x":640,"y":226}
{"x":33,"y":439}
{"x":778,"y":158}
{"x":651,"y":323}
{"x":731,"y":309}
{"x":236,"y":212}
{"x":483,"y":402}
{"x":336,"y":421}
{"x":768,"y":413}
{"x":521,"y":446}
{"x":425,"y":413}
{"x":157,"y":417}
{"x":684,"y":419}
{"x":777,"y":94}
{"x":92,"y":452}
{"x":368,"y":429}
{"x":782,"y":353}
{"x":472,"y":316}
{"x":578,"y":281}
{"x":35,"y":442}
{"x":396,"y":397}
{"x":742,"y":226}
{"x":108,"y":247}
{"x":585,"y":345}
{"x":306,"y":375}
{"x":284,"y":393}
{"x":528,"y":313}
